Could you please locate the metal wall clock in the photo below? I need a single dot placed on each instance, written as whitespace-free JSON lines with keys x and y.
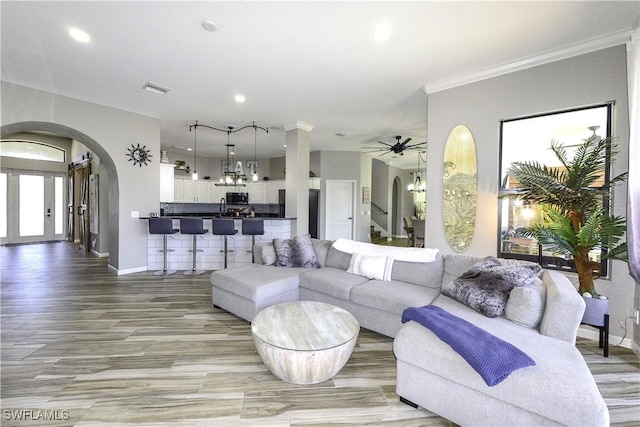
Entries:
{"x":139,"y":155}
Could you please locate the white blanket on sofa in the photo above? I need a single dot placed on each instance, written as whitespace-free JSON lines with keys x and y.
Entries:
{"x":397,"y":253}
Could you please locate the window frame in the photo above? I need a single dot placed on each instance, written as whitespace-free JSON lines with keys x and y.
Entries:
{"x":504,"y":192}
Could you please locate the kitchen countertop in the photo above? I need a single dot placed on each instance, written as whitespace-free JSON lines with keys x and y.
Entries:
{"x":207,"y":216}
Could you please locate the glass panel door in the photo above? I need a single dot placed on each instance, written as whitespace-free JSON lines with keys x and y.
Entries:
{"x":31,"y":207}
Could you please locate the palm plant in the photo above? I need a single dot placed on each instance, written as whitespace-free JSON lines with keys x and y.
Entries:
{"x":574,"y":220}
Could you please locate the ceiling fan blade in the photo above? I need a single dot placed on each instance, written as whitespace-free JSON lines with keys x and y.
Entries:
{"x":405,"y":142}
{"x":408,"y":147}
{"x":388,"y":145}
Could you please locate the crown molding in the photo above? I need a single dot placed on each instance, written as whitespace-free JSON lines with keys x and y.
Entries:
{"x":591,"y":45}
{"x":298,"y":125}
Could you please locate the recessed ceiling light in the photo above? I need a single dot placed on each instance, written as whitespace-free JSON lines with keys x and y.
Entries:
{"x":239,"y":98}
{"x":209,"y":26}
{"x":79,"y":35}
{"x":382,"y":32}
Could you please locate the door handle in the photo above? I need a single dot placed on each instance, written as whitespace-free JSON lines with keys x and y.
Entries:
{"x":350,"y":218}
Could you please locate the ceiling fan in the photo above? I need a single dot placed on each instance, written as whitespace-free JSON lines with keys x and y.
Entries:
{"x":398,"y":147}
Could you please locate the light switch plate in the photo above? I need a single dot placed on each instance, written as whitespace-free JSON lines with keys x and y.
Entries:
{"x":135,"y":214}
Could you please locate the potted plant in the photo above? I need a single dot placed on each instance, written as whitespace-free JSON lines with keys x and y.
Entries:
{"x":572,"y":199}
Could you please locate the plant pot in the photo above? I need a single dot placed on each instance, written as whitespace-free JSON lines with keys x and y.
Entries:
{"x":595,"y":310}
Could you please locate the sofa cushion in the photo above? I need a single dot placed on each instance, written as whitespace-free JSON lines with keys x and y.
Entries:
{"x":321,"y":247}
{"x":486,"y":286}
{"x":296,"y":252}
{"x":427,"y":274}
{"x":526,"y":304}
{"x":256,"y":282}
{"x":392,"y":296}
{"x":455,"y":265}
{"x":268,"y":254}
{"x":371,"y":267}
{"x":338,"y":259}
{"x":331,"y":281}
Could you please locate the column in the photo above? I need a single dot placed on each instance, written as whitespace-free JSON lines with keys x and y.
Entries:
{"x":298,"y":137}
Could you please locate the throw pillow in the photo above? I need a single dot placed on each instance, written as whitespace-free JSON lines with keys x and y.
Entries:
{"x":372,"y":267}
{"x":321,"y":248}
{"x":268,"y":255}
{"x":296,"y":252}
{"x":304,"y":255}
{"x":486,"y":286}
{"x":526,"y":304}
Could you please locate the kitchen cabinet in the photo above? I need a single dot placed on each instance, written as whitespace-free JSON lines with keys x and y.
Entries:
{"x":203,"y":192}
{"x":256,"y":192}
{"x":166,"y":182}
{"x":314,"y":183}
{"x":188,"y":191}
{"x":178,"y":193}
{"x":217,"y":193}
{"x":271,"y":190}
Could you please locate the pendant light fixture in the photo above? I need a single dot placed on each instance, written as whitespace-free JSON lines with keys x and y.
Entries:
{"x":254,"y":171}
{"x":194,"y":175}
{"x":418,"y":186}
{"x":230,"y":175}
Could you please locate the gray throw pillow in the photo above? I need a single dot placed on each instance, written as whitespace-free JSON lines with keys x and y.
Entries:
{"x":486,"y":286}
{"x":296,"y":252}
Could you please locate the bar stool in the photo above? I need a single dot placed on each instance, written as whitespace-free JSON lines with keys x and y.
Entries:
{"x":253,"y":228}
{"x":193,"y":226}
{"x":163,"y":226}
{"x":223,"y":227}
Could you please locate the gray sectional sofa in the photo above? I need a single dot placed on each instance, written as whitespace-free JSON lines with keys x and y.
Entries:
{"x":558,"y":390}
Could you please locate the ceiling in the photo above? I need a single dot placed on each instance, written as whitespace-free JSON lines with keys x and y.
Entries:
{"x":310,"y":62}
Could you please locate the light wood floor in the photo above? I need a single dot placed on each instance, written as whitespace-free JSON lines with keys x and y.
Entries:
{"x":91,"y":348}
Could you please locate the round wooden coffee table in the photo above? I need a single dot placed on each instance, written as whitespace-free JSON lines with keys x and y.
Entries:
{"x":304,"y":342}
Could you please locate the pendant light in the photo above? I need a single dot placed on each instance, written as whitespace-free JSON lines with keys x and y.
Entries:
{"x":254,"y":176}
{"x":194,"y":175}
{"x":230,"y":177}
{"x":418,"y":186}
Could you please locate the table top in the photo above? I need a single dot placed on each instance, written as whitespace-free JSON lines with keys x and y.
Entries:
{"x":304,"y":326}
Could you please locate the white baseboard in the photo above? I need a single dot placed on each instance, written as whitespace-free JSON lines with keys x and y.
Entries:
{"x":614,"y":340}
{"x":128,"y":270}
{"x":100,"y":254}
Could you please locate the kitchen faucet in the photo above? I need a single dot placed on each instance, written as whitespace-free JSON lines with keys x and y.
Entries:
{"x":223,"y":205}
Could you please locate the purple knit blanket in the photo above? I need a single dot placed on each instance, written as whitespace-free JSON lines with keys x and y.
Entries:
{"x":493,"y":358}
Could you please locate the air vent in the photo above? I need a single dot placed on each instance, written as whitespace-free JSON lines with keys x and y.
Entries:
{"x":155,"y":88}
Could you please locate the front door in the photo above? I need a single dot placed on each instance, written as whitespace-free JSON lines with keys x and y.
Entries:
{"x":339,"y":218}
{"x":32,"y":206}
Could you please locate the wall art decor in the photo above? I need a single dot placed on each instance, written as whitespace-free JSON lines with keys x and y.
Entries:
{"x":460,"y":188}
{"x":139,"y":155}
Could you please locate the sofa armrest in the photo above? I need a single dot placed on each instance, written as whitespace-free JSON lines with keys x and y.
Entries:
{"x":564,"y":308}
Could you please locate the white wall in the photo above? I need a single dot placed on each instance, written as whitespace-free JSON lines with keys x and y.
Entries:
{"x":109,"y":132}
{"x":583,"y":80}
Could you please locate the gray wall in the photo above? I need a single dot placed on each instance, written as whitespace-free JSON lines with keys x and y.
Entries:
{"x":108,"y":132}
{"x":583,"y":80}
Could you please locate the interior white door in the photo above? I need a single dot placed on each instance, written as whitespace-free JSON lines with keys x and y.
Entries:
{"x":339,"y":215}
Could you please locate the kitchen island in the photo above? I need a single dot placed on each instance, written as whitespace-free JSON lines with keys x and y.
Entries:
{"x":212,"y":257}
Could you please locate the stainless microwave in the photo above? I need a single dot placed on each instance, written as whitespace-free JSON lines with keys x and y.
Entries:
{"x":237,"y":198}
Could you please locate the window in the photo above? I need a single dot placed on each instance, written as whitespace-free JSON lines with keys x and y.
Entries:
{"x":529,"y":139}
{"x":32,"y":150}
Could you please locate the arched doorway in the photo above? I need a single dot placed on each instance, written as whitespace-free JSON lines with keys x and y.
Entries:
{"x":105,"y":159}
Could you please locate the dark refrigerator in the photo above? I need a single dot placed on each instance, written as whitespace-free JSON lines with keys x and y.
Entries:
{"x":314,"y":205}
